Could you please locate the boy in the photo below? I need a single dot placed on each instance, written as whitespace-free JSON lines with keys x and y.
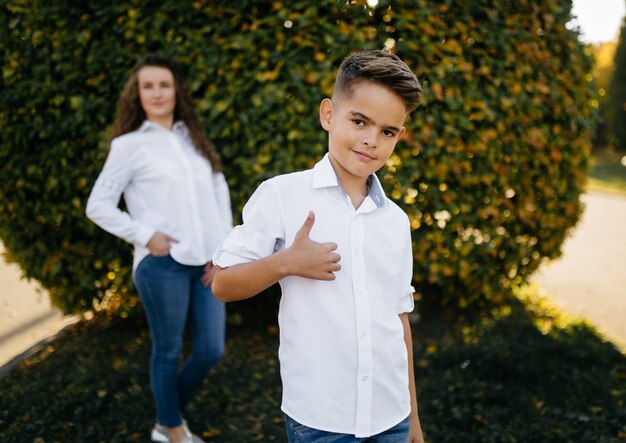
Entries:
{"x":345,"y":274}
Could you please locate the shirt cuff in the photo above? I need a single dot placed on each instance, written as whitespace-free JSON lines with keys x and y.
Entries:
{"x":144,"y":234}
{"x":407,"y":304}
{"x":226,"y":259}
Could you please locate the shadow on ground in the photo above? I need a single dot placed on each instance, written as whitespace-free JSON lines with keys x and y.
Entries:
{"x":514,"y":376}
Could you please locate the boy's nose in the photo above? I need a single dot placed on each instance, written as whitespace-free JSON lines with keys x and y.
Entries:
{"x":369,"y":140}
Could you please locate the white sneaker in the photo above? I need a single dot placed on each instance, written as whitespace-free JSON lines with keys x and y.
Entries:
{"x":159,"y":434}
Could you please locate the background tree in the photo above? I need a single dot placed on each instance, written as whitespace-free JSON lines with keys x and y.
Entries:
{"x":618,"y":92}
{"x":604,"y":55}
{"x":490,"y":171}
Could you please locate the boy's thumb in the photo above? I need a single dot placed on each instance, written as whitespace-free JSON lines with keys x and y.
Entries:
{"x":308,"y":225}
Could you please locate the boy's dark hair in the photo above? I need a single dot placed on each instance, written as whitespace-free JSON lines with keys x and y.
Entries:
{"x":379,"y":67}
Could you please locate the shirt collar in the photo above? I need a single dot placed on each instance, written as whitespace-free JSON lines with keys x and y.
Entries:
{"x":178,"y":126}
{"x":324,"y":176}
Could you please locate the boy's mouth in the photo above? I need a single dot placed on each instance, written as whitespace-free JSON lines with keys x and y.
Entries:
{"x":362,"y":155}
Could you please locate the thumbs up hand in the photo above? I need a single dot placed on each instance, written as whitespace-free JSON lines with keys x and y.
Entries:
{"x":311,"y":259}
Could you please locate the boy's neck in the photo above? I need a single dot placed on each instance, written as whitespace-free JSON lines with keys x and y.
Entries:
{"x":356,"y":190}
{"x":354,"y":187}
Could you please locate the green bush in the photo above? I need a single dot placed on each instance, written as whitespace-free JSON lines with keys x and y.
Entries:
{"x":490,"y":171}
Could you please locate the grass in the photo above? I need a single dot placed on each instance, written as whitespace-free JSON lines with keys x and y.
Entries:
{"x":607,"y":173}
{"x":521,"y":373}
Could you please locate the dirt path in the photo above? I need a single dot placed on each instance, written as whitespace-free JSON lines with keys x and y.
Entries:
{"x":26,"y":317}
{"x":589,"y":280}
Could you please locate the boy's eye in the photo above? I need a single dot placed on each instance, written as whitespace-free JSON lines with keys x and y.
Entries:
{"x":389,"y":133}
{"x":358,"y":122}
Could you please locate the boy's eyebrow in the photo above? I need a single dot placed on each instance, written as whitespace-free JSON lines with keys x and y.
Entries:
{"x":370,"y":121}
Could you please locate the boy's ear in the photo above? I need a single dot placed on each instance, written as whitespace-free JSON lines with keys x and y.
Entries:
{"x":326,"y":113}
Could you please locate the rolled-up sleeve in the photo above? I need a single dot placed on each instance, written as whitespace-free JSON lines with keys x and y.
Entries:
{"x":102,"y":205}
{"x":261,"y":233}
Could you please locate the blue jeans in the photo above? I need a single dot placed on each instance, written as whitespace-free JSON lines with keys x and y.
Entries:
{"x":172,"y":295}
{"x":298,"y":433}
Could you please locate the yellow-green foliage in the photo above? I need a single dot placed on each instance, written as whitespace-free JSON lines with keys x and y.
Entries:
{"x":489,"y":173}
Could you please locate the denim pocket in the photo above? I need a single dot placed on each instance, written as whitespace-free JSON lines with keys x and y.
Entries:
{"x":299,"y":431}
{"x":299,"y":428}
{"x":142,"y":263}
{"x":150,"y":260}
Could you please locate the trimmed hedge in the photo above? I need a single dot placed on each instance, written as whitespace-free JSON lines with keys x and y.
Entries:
{"x":490,"y":171}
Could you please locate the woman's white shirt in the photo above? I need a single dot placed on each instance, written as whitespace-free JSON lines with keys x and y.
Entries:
{"x":168,"y":186}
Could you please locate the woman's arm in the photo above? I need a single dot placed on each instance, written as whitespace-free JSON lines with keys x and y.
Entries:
{"x":102,"y":205}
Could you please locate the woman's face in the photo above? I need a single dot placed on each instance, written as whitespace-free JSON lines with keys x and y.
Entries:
{"x":157,"y":94}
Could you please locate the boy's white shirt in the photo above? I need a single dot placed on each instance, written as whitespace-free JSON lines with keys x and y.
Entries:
{"x":168,"y":187}
{"x":342,"y":353}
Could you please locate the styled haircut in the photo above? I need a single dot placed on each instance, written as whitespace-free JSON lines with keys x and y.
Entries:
{"x":130,"y":114}
{"x":380,"y":67}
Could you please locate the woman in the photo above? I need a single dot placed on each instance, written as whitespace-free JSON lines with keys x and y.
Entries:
{"x":178,"y":213}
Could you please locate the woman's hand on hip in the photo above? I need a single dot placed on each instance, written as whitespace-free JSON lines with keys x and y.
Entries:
{"x":159,"y":244}
{"x":209,"y":274}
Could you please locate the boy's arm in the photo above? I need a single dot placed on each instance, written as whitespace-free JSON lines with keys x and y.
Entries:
{"x":304,"y":258}
{"x":416,"y":435}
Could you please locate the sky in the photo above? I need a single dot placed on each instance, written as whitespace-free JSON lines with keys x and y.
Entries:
{"x":599,"y":20}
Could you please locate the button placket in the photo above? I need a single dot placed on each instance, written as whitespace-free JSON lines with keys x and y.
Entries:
{"x":192,"y":194}
{"x":363,"y":327}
